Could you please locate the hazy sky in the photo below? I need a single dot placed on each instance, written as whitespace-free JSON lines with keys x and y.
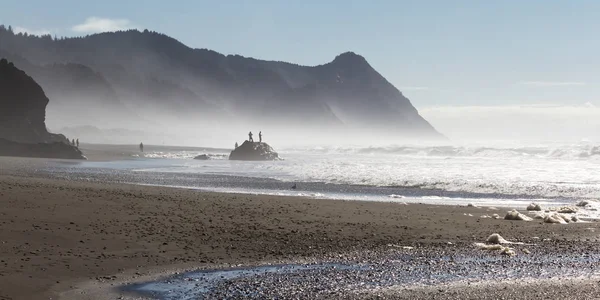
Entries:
{"x":438,"y":53}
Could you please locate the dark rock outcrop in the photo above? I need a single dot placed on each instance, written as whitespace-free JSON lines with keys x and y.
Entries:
{"x":22,"y":107}
{"x":42,"y":150}
{"x":22,"y":118}
{"x":254,"y":151}
{"x":202,"y":157}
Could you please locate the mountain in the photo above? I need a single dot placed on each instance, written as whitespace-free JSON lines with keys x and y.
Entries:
{"x":74,"y":88}
{"x":151,"y":77}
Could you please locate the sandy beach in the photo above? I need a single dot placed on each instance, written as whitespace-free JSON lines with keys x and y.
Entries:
{"x":59,"y":238}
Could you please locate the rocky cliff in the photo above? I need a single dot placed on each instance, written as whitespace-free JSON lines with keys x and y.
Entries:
{"x":22,"y":118}
{"x":22,"y":107}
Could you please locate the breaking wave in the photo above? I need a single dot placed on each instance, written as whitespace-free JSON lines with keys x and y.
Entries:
{"x":182,"y":155}
{"x":562,"y":151}
{"x":545,"y":171}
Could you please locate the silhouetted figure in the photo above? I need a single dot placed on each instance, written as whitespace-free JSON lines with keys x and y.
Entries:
{"x":294,"y":186}
{"x":250,"y":137}
{"x":73,"y":142}
{"x":77,"y":142}
{"x":260,"y":136}
{"x":236,"y":145}
{"x":141,"y":147}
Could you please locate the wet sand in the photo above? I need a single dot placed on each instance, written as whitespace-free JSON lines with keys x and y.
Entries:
{"x":69,"y":238}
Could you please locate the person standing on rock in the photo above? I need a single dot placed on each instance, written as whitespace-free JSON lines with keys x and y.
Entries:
{"x":250,"y":139}
{"x":77,"y":142}
{"x":260,"y":136}
{"x":236,"y":145}
{"x":73,"y":142}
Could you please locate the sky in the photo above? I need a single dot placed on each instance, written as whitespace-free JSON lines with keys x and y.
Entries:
{"x":438,"y":53}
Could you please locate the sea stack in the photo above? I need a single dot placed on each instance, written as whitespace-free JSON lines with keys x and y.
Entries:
{"x":23,"y":118}
{"x":254,"y":151}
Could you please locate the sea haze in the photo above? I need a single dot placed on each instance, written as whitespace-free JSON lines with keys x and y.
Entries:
{"x":127,"y":86}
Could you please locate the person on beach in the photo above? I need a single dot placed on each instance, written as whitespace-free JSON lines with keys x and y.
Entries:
{"x":260,"y":136}
{"x":250,"y":137}
{"x":77,"y":142}
{"x":141,"y":147}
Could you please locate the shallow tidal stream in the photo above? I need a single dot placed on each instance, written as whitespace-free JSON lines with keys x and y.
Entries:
{"x":370,"y":274}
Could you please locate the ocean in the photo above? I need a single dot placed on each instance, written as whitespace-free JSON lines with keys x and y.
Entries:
{"x":559,"y":174}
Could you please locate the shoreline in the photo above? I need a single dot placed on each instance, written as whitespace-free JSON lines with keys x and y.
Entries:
{"x":126,"y":172}
{"x":67,"y":232}
{"x":120,"y":164}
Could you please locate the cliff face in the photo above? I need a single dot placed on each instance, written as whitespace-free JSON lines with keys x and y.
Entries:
{"x":22,"y":118}
{"x":22,"y":107}
{"x":153,"y":72}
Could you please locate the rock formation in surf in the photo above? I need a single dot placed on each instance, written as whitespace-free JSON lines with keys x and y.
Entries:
{"x":22,"y":118}
{"x":160,"y":77}
{"x":254,"y":151}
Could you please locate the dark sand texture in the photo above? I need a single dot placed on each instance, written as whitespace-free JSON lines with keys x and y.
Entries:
{"x":58,"y":234}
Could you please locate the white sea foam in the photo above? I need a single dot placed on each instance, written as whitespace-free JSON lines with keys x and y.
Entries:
{"x":514,"y":215}
{"x":542,"y":173}
{"x":534,"y":171}
{"x":568,"y":171}
{"x":181,"y":155}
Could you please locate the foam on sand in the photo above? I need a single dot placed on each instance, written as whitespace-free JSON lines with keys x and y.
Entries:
{"x":565,"y":209}
{"x":538,"y":215}
{"x":516,"y":216}
{"x":496,"y":242}
{"x":508,"y":251}
{"x":558,"y":218}
{"x":534,"y":207}
{"x":484,"y":246}
{"x":554,"y":217}
{"x":497,"y":239}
